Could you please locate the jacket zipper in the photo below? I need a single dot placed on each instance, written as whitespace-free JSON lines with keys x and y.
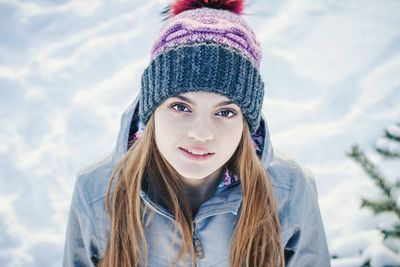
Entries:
{"x":198,"y":248}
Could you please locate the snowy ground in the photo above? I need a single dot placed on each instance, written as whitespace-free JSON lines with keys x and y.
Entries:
{"x":68,"y":69}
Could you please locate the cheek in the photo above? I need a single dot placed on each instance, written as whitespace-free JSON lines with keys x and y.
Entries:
{"x":231,"y":134}
{"x":167,"y":127}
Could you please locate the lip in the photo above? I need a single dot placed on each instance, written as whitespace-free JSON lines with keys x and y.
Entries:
{"x":196,"y":157}
{"x":197,"y":148}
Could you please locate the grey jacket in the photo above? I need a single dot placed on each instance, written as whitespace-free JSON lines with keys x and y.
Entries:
{"x":302,"y":230}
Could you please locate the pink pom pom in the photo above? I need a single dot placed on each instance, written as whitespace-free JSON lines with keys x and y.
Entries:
{"x":235,"y":6}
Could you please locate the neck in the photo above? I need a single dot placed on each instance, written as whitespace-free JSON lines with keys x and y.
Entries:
{"x":201,"y":186}
{"x":200,"y":190}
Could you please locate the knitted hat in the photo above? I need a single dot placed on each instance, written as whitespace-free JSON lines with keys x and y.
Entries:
{"x":205,"y":45}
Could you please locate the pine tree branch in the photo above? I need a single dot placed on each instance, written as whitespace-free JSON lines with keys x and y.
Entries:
{"x":373,"y":172}
{"x":386,"y":153}
{"x":391,"y":136}
{"x":378,"y":206}
{"x":392,"y":233}
{"x":370,"y":169}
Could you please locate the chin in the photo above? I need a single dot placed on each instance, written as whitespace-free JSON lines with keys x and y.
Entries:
{"x":193,"y":174}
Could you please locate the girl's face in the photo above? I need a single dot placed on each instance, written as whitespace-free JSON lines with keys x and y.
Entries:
{"x":200,"y":122}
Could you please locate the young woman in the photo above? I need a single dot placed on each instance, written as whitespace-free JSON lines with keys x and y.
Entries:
{"x":193,"y":180}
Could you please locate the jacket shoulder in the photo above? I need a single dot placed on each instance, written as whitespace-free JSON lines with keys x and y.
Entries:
{"x":287,"y":173}
{"x":93,"y":179}
{"x":303,"y":233}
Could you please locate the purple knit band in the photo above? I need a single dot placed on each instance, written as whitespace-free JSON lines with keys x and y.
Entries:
{"x":209,"y":25}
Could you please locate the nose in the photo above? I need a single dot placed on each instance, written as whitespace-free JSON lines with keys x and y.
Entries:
{"x":200,"y":130}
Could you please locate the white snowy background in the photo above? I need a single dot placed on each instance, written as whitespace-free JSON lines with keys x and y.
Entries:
{"x":68,"y":69}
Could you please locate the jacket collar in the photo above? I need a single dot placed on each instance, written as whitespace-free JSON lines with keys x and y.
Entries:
{"x":225,"y":200}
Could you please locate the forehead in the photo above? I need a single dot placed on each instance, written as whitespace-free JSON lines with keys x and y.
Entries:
{"x":205,"y":95}
{"x":204,"y":98}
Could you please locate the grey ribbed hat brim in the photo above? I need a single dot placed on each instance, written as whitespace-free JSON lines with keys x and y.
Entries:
{"x":203,"y":67}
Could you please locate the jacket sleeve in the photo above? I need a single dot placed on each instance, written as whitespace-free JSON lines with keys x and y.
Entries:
{"x":79,"y":250}
{"x":307,"y":246}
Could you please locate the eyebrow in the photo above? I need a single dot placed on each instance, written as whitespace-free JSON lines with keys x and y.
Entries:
{"x":223,"y":103}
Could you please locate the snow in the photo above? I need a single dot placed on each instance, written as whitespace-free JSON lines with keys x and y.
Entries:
{"x":68,"y":69}
{"x":380,"y":255}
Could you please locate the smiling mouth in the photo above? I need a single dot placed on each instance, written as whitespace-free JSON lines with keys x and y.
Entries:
{"x":196,"y":153}
{"x":196,"y":156}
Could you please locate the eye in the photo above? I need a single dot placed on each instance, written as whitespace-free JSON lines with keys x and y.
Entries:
{"x":180,"y":107}
{"x":225,"y":113}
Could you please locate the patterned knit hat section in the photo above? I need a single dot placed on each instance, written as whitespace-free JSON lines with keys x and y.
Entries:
{"x":205,"y":25}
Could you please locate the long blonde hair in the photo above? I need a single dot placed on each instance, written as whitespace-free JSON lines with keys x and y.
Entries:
{"x":256,"y":239}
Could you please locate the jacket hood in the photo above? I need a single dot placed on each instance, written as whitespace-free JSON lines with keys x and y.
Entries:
{"x":131,"y":128}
